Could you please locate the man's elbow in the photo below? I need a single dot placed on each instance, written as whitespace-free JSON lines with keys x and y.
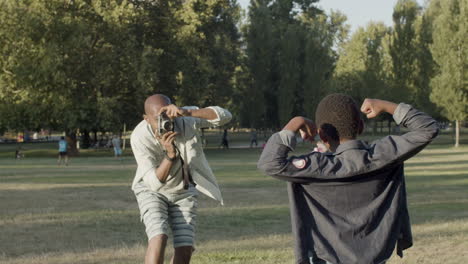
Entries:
{"x":226,"y":118}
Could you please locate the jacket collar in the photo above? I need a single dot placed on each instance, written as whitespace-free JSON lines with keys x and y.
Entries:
{"x":351,"y":144}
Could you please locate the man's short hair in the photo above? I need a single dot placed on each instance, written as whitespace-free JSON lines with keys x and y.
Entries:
{"x":338,"y":116}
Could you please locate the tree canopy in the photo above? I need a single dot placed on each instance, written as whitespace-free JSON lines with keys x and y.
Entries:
{"x":87,"y":65}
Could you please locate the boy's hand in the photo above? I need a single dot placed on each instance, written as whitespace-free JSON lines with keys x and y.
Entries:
{"x":308,"y":132}
{"x":373,"y":107}
{"x":304,"y":126}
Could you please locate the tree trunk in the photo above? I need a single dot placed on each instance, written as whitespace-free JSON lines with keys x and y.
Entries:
{"x":457,"y":133}
{"x":95,"y":139}
{"x":85,"y":139}
{"x":71,"y":139}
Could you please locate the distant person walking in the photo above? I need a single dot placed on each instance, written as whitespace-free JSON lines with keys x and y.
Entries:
{"x":63,"y":154}
{"x":253,"y":138}
{"x":18,"y":153}
{"x":116,"y":144}
{"x":224,"y":140}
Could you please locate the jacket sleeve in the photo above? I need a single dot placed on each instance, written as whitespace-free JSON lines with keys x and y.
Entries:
{"x":223,"y":117}
{"x":422,"y":130}
{"x":316,"y":166}
{"x":274,"y":160}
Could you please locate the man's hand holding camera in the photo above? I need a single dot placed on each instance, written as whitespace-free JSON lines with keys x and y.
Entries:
{"x":164,"y":132}
{"x":172,"y":111}
{"x":166,"y":136}
{"x":167,"y":141}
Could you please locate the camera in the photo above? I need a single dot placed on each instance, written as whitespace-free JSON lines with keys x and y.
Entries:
{"x":165,"y":124}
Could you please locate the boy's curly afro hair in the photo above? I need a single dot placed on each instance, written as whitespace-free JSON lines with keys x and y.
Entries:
{"x":338,"y":116}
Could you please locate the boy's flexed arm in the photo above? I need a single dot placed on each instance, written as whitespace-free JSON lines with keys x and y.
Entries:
{"x":423,"y":129}
{"x":274,"y":160}
{"x":373,"y":107}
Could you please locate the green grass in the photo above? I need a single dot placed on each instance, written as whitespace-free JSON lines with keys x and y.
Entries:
{"x":86,"y":212}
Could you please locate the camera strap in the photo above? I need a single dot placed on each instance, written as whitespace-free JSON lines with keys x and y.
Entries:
{"x":186,"y":175}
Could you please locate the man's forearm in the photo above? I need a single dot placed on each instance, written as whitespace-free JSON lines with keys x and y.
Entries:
{"x":205,"y":113}
{"x":162,"y":172}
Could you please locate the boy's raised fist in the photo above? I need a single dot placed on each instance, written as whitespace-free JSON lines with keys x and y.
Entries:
{"x":373,"y":107}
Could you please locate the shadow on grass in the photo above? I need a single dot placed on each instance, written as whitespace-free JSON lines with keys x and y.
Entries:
{"x":87,"y":218}
{"x":65,"y":199}
{"x":426,"y":163}
{"x":457,"y":183}
{"x":420,"y":172}
{"x":444,"y":154}
{"x":438,"y":212}
{"x":83,"y":219}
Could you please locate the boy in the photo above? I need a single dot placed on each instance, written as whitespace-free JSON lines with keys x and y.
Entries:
{"x":348,"y":205}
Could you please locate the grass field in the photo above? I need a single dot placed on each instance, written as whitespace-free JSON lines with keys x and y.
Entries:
{"x":86,"y":212}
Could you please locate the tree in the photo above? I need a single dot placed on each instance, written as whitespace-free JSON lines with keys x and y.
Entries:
{"x":71,"y":64}
{"x":323,"y":32}
{"x":449,"y":49}
{"x":290,"y":58}
{"x":364,"y":66}
{"x":260,"y":50}
{"x":424,"y":68}
{"x":290,"y":90}
{"x":88,"y":65}
{"x":210,"y":43}
{"x":362,"y":69}
{"x":402,"y":49}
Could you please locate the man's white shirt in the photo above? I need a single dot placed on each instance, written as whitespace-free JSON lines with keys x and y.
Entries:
{"x":149,"y":154}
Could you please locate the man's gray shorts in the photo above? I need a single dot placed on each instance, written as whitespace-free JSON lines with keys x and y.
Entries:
{"x":159,"y":211}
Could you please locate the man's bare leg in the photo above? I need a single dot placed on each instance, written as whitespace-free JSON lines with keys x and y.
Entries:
{"x":59,"y":160}
{"x":155,"y":251}
{"x":182,"y":255}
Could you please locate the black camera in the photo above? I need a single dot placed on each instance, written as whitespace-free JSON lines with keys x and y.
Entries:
{"x":165,"y":124}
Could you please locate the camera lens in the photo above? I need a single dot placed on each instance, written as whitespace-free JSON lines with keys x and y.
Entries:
{"x":167,"y":126}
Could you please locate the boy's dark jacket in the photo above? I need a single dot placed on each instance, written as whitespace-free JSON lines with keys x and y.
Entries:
{"x":350,"y":206}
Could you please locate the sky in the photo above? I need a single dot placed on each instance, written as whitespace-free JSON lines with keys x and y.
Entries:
{"x":359,"y":12}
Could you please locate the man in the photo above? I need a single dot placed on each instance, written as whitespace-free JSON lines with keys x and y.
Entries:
{"x":224,"y":140}
{"x":253,"y":137}
{"x":172,"y":168}
{"x":63,"y":146}
{"x":348,"y":205}
{"x":116,"y":144}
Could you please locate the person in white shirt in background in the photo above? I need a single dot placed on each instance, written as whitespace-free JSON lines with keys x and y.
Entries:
{"x":172,"y":169}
